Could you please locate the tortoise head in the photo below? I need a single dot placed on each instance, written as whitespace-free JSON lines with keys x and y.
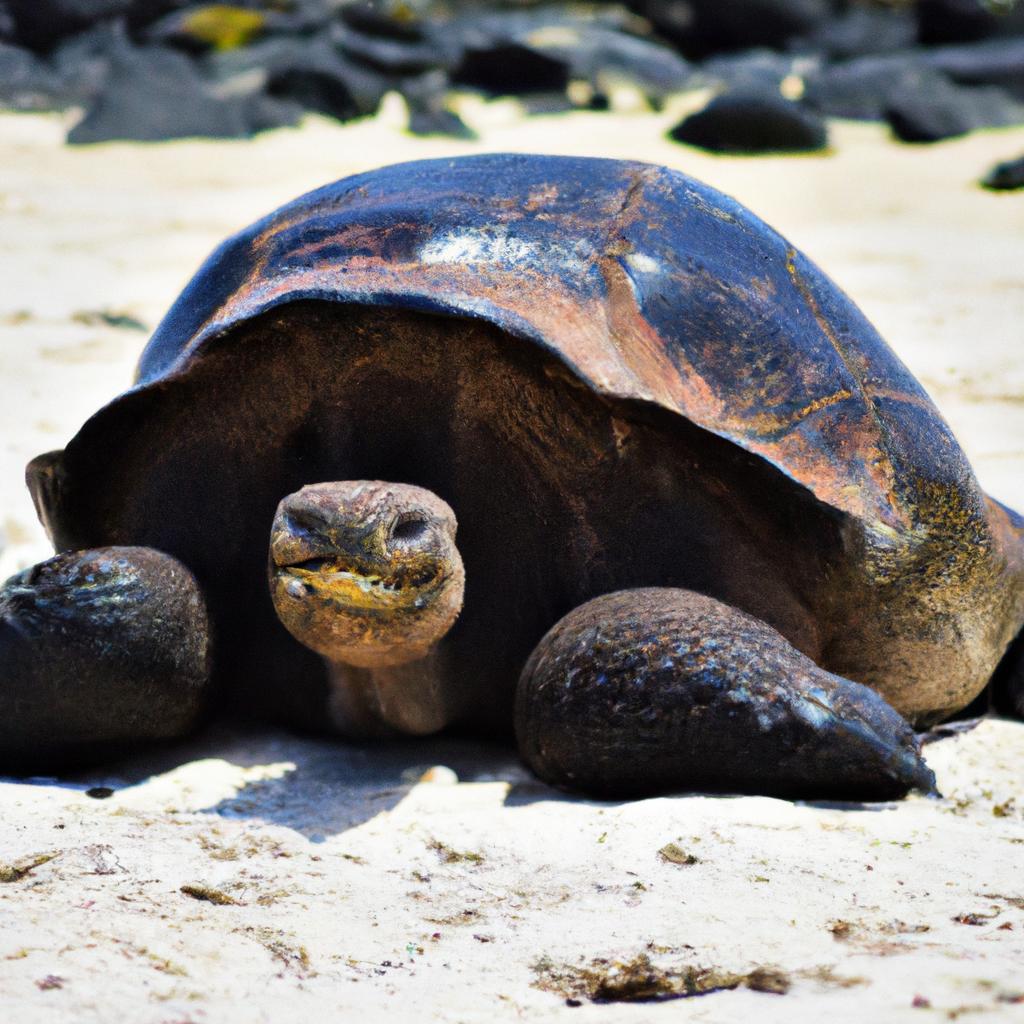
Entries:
{"x":364,"y":572}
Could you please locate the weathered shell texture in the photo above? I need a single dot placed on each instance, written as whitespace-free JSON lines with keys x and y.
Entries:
{"x":809,"y":478}
{"x":648,"y":284}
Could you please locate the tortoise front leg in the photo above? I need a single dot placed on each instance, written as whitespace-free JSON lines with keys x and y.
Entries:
{"x":642,"y":691}
{"x":98,"y":649}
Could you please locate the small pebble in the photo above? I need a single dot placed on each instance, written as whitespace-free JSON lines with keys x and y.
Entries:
{"x":1005,"y":176}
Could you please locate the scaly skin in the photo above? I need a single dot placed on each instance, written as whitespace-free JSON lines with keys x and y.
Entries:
{"x":660,"y":689}
{"x":98,"y":649}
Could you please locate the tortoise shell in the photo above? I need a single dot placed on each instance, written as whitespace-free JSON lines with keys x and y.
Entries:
{"x":646,"y":283}
{"x":724,"y":418}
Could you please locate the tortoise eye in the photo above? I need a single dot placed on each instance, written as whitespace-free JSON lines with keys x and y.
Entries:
{"x":409,"y":529}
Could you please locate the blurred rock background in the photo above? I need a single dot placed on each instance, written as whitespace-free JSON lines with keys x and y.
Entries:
{"x":162,"y":69}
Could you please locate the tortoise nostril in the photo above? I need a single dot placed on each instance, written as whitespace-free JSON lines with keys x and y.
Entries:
{"x":408,"y":530}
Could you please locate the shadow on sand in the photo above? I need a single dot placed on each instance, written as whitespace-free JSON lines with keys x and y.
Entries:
{"x":325,"y":786}
{"x":334,"y":786}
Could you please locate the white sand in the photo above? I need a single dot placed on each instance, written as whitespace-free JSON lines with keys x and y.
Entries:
{"x":342,"y":904}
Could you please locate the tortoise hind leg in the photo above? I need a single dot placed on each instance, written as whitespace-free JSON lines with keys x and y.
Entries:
{"x":642,"y":691}
{"x":98,"y":649}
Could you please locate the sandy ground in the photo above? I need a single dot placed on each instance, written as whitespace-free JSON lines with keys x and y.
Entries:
{"x":256,"y":876}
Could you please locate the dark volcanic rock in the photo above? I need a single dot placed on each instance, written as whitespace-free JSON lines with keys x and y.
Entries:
{"x":748,"y":122}
{"x":314,"y":90}
{"x":263,"y":113}
{"x":84,"y":61}
{"x":995,"y":62}
{"x":196,"y":29}
{"x":153,"y":94}
{"x":396,"y":56}
{"x":523,"y":52}
{"x":40,"y":24}
{"x":912,"y":92}
{"x":714,"y":25}
{"x":429,"y":113}
{"x":308,"y":71}
{"x":509,"y":69}
{"x":391,"y":19}
{"x":548,"y":103}
{"x":960,"y":21}
{"x":260,"y":62}
{"x":595,"y":52}
{"x":439,"y":121}
{"x":365,"y":87}
{"x":756,"y":70}
{"x":861,"y":32}
{"x":7,"y":31}
{"x":950,"y":110}
{"x":27,"y":83}
{"x":1008,"y":175}
{"x":672,"y":19}
{"x":865,"y":89}
{"x":205,"y":26}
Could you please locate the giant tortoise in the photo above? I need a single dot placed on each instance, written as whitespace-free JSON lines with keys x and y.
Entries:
{"x":712,"y":534}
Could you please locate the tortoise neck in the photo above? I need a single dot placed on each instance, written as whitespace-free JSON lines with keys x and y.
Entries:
{"x":386,"y":700}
